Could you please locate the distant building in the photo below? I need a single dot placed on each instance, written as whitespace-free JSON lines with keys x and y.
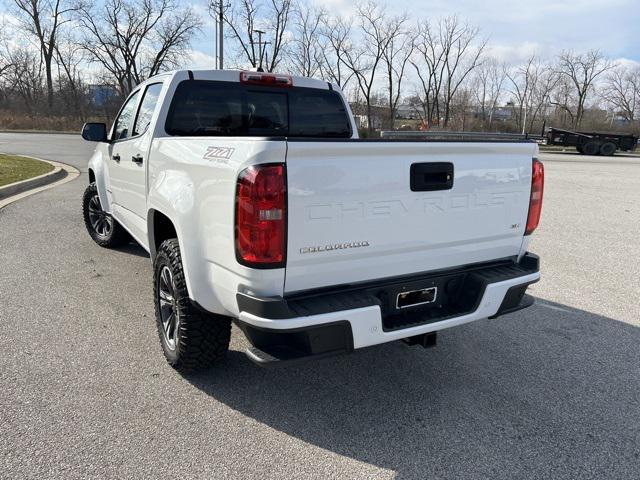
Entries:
{"x":406,"y":111}
{"x":378,"y":114}
{"x":362,"y":121}
{"x":502,"y":114}
{"x":499,"y":114}
{"x":101,"y":95}
{"x":620,"y":120}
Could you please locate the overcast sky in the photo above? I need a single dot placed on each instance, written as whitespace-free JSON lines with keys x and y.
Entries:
{"x":516,"y":28}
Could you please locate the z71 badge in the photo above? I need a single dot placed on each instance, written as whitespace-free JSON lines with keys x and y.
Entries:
{"x":218,"y":153}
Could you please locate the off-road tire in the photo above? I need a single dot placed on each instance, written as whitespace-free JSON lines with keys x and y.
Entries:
{"x":202,"y":338}
{"x":115,"y":236}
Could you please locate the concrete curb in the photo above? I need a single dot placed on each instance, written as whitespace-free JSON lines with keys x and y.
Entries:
{"x":22,"y":186}
{"x":61,"y":173}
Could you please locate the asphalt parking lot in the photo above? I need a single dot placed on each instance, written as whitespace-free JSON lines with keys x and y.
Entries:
{"x":550,"y":392}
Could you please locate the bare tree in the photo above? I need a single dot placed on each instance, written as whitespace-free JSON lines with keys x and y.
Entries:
{"x":395,"y":57}
{"x":622,"y":92}
{"x":562,"y":100}
{"x":69,"y":58}
{"x":243,"y":22}
{"x":462,"y":55}
{"x":522,"y":80}
{"x":43,"y":19}
{"x":363,"y":60}
{"x":5,"y":62}
{"x":488,"y":87}
{"x":460,"y":108}
{"x":133,"y":40}
{"x":5,"y":65}
{"x":336,"y":33}
{"x":447,"y":54}
{"x":278,"y":22}
{"x":273,"y":19}
{"x":581,"y":71}
{"x":171,"y":39}
{"x":25,"y":77}
{"x":531,"y":86}
{"x":540,"y":98}
{"x":306,"y":52}
{"x":428,"y":65}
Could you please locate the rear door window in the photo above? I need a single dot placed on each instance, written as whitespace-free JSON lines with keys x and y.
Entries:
{"x":208,"y":108}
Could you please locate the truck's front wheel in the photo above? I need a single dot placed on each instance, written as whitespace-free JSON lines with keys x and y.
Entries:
{"x":102,"y":227}
{"x":191,"y":339}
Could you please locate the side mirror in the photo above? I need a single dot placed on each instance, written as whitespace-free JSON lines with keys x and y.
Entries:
{"x":94,"y":132}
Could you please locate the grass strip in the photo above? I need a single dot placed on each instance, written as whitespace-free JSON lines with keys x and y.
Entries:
{"x":14,"y":168}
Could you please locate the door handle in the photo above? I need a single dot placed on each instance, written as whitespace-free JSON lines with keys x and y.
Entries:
{"x":137,"y":159}
{"x":429,"y":177}
{"x":116,"y":157}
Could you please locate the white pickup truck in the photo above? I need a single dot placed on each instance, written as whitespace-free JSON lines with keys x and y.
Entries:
{"x":258,"y":204}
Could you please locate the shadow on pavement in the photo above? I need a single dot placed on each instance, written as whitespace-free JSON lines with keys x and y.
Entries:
{"x":133,"y":248}
{"x":548,"y":392}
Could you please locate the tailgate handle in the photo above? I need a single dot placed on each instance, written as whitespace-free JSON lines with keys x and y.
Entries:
{"x":429,"y":177}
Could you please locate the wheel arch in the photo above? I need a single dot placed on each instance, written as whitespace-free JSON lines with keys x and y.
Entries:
{"x":99,"y":174}
{"x":165,"y":223}
{"x":160,"y":227}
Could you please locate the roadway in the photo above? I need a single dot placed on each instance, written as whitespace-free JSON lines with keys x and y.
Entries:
{"x":549,"y":392}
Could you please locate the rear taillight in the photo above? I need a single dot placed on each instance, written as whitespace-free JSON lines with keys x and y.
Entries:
{"x":266,"y":79}
{"x":535,"y":202}
{"x":261,"y":211}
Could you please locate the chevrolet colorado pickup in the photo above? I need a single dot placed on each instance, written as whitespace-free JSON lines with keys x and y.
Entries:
{"x":259,"y":205}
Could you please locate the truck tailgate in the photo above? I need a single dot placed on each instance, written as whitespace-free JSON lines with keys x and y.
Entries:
{"x":359,"y":211}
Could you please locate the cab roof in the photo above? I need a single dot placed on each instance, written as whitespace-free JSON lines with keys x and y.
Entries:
{"x":234,"y":76}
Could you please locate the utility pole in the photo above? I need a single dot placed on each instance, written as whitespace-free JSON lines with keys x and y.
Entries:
{"x":524,"y":120}
{"x":221,"y":37}
{"x":262,"y":49}
{"x":215,"y":42}
{"x":260,"y":33}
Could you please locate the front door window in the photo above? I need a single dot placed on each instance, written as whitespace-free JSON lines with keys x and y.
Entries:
{"x":122,"y":125}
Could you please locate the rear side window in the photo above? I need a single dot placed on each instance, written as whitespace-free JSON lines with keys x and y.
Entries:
{"x":209,"y":108}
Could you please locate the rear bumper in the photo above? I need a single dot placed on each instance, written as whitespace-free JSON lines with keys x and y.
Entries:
{"x":342,"y":319}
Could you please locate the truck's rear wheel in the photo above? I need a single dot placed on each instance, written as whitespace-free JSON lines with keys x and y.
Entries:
{"x":591,"y":148}
{"x":102,"y":227}
{"x":191,"y":339}
{"x":608,"y":149}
